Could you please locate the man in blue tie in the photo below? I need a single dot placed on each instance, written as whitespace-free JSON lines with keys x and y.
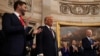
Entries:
{"x":89,"y":44}
{"x":46,"y":42}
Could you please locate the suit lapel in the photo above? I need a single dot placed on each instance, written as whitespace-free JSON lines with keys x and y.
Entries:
{"x":49,"y":31}
{"x":88,"y":40}
{"x":54,"y":34}
{"x":16,"y":19}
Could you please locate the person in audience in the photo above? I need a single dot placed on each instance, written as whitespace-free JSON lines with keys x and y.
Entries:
{"x":74,"y":48}
{"x":46,"y":43}
{"x":80,"y":49}
{"x":65,"y":49}
{"x":89,"y":44}
{"x":14,"y":28}
{"x":33,"y":50}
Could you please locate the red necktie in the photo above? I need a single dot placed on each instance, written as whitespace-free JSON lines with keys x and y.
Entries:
{"x":22,"y":21}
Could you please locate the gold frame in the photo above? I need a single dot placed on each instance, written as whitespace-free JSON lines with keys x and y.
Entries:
{"x":71,"y":24}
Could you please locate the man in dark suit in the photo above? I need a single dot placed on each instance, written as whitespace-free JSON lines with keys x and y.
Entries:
{"x":14,"y":28}
{"x":88,"y":44}
{"x":46,"y":43}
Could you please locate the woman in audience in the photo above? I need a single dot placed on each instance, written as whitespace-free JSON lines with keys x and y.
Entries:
{"x":65,"y":49}
{"x":73,"y":48}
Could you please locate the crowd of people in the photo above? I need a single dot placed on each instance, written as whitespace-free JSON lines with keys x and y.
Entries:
{"x":86,"y":47}
{"x":17,"y":38}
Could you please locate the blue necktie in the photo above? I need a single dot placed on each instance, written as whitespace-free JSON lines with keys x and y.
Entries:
{"x":91,"y":41}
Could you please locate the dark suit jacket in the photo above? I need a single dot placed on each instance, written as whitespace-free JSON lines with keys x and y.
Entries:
{"x":15,"y":34}
{"x":46,"y":43}
{"x":88,"y":51}
{"x":73,"y":53}
{"x":80,"y":51}
{"x":64,"y":52}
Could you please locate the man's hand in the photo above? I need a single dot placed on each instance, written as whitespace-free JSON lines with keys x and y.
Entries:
{"x":25,"y":27}
{"x":96,"y":43}
{"x":37,"y":31}
{"x":34,"y":46}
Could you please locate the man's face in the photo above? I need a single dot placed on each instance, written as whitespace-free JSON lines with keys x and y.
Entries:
{"x":49,"y":21}
{"x":89,"y":33}
{"x":23,"y":9}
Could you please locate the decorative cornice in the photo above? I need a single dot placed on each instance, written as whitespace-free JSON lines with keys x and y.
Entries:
{"x":80,"y":8}
{"x":78,"y":2}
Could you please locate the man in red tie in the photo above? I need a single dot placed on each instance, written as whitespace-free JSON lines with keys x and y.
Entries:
{"x":14,"y":27}
{"x":22,"y":21}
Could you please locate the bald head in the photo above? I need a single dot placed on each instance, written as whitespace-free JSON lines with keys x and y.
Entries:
{"x":48,"y":20}
{"x":89,"y":32}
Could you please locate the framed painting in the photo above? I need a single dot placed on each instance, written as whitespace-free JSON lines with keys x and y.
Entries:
{"x":67,"y":31}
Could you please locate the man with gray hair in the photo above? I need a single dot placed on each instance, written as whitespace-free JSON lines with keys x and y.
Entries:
{"x":89,"y":44}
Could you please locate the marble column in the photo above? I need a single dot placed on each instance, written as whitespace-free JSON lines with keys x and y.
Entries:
{"x":46,"y":9}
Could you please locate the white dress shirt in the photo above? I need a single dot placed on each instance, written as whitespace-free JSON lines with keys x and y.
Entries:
{"x":17,"y":14}
{"x":89,"y":38}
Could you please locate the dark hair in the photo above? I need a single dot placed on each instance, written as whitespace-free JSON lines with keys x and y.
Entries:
{"x":18,"y":3}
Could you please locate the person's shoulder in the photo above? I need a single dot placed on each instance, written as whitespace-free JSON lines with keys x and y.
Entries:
{"x":7,"y":14}
{"x":84,"y":38}
{"x":41,"y":27}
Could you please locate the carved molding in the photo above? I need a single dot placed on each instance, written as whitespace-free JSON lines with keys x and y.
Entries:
{"x":80,"y":8}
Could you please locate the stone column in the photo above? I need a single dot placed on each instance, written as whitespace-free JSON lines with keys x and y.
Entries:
{"x":46,"y":9}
